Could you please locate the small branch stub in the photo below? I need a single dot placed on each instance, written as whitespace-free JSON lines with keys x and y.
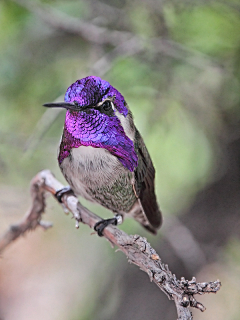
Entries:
{"x":136,"y":248}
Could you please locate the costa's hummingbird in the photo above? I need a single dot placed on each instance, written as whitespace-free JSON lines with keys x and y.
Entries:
{"x":102,"y":154}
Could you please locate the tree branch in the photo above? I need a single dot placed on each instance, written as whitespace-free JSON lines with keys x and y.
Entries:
{"x":136,"y":248}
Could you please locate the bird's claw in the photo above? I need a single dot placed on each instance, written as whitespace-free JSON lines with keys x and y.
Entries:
{"x":60,"y":193}
{"x":102,"y":224}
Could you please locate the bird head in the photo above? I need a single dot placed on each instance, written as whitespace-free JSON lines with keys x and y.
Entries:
{"x":98,"y":116}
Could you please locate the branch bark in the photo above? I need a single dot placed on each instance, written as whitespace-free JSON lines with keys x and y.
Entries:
{"x":136,"y":248}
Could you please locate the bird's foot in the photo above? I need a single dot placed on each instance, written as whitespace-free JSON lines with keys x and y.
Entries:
{"x":102,"y":224}
{"x":60,"y":193}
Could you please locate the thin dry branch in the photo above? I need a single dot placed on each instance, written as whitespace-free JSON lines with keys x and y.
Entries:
{"x":136,"y":248}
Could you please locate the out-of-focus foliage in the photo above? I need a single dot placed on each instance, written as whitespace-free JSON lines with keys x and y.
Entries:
{"x":183,"y":87}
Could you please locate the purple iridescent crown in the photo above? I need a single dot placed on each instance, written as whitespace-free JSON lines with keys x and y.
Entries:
{"x":91,"y":90}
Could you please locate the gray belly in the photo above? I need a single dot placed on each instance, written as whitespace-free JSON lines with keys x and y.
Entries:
{"x":98,"y":176}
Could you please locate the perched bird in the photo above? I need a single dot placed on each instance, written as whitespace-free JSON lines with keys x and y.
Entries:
{"x":102,"y":154}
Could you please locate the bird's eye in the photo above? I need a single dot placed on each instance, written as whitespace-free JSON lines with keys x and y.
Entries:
{"x":107,"y":105}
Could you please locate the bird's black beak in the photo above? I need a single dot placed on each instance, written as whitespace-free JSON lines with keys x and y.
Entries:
{"x":65,"y":105}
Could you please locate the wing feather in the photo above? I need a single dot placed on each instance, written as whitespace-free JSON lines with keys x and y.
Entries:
{"x":144,"y":183}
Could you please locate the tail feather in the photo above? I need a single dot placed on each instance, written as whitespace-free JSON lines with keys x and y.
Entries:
{"x":138,"y":214}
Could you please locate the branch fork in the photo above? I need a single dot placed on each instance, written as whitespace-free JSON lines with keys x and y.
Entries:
{"x":135,"y":247}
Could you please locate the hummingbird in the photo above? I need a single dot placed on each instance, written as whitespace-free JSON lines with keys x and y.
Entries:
{"x":103,"y":156}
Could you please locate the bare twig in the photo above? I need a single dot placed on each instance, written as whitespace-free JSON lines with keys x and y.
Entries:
{"x":136,"y":248}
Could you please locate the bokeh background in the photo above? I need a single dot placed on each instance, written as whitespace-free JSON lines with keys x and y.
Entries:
{"x":177,"y":63}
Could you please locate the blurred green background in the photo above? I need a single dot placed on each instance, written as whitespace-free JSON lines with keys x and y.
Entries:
{"x":177,"y":63}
